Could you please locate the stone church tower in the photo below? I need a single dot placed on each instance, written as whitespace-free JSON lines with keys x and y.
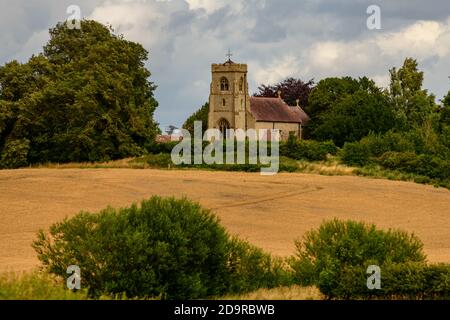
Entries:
{"x":229,"y":100}
{"x":231,"y":107}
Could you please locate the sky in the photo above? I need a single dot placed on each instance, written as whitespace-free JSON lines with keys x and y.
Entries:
{"x":306,"y":39}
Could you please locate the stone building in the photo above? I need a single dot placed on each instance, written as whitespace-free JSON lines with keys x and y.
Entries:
{"x":231,"y":107}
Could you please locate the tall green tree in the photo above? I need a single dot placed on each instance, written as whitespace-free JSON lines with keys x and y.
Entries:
{"x":412,"y":103}
{"x":347,"y":109}
{"x":327,"y":93}
{"x":87,"y":97}
{"x":199,"y":115}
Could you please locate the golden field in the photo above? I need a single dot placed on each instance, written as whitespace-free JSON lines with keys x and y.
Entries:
{"x":269,"y":211}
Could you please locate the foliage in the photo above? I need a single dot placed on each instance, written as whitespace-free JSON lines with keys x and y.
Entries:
{"x":408,"y":280}
{"x":424,"y":164}
{"x":346,"y":109}
{"x":200,"y":115}
{"x":291,"y":90}
{"x":307,"y":149}
{"x":85,"y":98}
{"x":410,"y":101}
{"x":355,"y":154}
{"x":323,"y":254}
{"x":419,"y":151}
{"x":167,"y":248}
{"x":14,"y":153}
{"x":251,"y":268}
{"x":374,"y":145}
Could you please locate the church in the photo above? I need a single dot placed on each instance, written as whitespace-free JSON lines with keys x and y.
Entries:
{"x":231,"y":107}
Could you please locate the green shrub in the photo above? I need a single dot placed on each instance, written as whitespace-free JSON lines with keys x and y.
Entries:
{"x":288,"y":164}
{"x":374,"y":145}
{"x":166,"y":248}
{"x":355,"y":153}
{"x":14,"y":154}
{"x":251,"y":268}
{"x":324,"y":253}
{"x":169,"y":248}
{"x":329,"y":147}
{"x":390,"y":141}
{"x":307,"y":149}
{"x":426,"y":165}
{"x":416,"y":153}
{"x":408,"y":280}
{"x":161,"y":160}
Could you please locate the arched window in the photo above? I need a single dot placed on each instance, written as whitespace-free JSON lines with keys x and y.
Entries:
{"x":224,"y":102}
{"x":224,"y":85}
{"x":223,"y":125}
{"x":241,"y":84}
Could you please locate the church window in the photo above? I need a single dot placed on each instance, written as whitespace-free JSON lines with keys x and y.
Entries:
{"x":241,"y":84}
{"x":224,"y":102}
{"x":224,"y":125}
{"x":224,"y":85}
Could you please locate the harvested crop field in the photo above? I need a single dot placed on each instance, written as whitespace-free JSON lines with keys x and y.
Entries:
{"x":269,"y":211}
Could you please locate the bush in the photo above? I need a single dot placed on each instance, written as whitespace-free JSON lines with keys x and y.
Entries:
{"x":307,"y":149}
{"x":167,"y":248}
{"x":325,"y":253}
{"x":329,"y":147}
{"x":161,"y":160}
{"x":355,"y":153}
{"x":408,"y":280}
{"x":416,"y":153}
{"x":251,"y":268}
{"x":374,"y":145}
{"x":14,"y":154}
{"x":426,"y":165}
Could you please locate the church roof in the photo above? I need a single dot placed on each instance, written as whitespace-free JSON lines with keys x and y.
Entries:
{"x":276,"y":110}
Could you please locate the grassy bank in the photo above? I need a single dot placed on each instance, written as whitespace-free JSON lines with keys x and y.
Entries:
{"x":35,"y":286}
{"x":41,"y":286}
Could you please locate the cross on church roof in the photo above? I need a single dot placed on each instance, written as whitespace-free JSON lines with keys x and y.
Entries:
{"x":229,"y":54}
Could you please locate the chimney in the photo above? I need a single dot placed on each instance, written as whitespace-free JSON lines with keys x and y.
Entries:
{"x":298,"y":102}
{"x":279,"y":94}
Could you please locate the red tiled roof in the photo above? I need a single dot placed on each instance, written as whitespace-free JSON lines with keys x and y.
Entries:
{"x":164,"y":138}
{"x":276,"y":110}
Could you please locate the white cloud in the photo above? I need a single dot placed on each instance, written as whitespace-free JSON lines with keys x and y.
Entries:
{"x":422,"y":39}
{"x":280,"y":68}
